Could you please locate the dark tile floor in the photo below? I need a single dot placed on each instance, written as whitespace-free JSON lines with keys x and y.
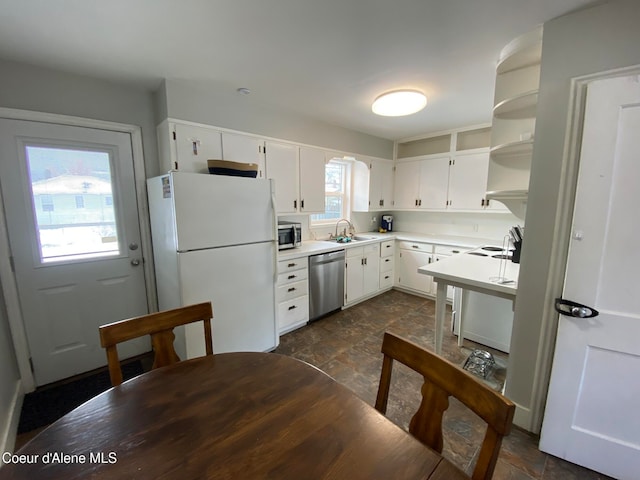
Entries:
{"x":346,"y":345}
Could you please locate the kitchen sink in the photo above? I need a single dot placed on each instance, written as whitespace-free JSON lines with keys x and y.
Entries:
{"x":355,"y":238}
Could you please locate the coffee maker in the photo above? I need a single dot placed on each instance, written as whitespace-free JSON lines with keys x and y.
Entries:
{"x":387,"y":223}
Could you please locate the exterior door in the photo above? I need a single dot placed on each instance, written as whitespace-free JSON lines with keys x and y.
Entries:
{"x":591,"y":417}
{"x":71,"y":211}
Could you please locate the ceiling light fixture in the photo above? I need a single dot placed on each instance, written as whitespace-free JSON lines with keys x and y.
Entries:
{"x":399,"y":103}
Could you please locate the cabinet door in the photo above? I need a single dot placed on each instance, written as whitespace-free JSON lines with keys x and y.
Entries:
{"x":434,"y":286}
{"x":282,"y":166}
{"x":381,"y":185}
{"x":434,"y":181}
{"x":371,"y":271}
{"x":194,"y":146}
{"x":312,"y":185}
{"x":408,"y":276}
{"x":468,"y":181}
{"x":245,"y":149}
{"x":353,"y":278}
{"x":407,"y":184}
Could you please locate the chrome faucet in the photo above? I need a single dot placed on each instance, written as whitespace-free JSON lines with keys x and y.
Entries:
{"x":344,"y":232}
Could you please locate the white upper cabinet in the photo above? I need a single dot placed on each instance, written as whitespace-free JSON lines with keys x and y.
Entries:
{"x":372,"y":184}
{"x":445,"y":172}
{"x":244,"y":148}
{"x":467,"y":176}
{"x":434,"y":183}
{"x":407,"y":185}
{"x":282,"y":166}
{"x":312,"y":163}
{"x":187,"y":147}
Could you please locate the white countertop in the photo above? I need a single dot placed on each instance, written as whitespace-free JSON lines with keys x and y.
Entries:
{"x":314,"y":247}
{"x":475,"y":272}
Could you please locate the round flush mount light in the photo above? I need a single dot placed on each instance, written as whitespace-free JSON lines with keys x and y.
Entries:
{"x":399,"y":103}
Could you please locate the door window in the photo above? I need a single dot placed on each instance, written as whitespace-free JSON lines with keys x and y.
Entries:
{"x":72,"y":199}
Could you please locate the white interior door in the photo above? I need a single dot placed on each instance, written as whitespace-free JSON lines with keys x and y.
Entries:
{"x":72,"y":218}
{"x":591,"y":416}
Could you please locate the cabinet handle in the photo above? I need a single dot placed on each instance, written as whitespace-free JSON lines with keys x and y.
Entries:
{"x":365,"y":261}
{"x":386,"y":277}
{"x":420,"y":202}
{"x":194,"y":146}
{"x":387,"y":260}
{"x":302,"y":203}
{"x":292,"y":307}
{"x":292,"y":289}
{"x":382,"y":203}
{"x":291,"y":276}
{"x":290,"y":265}
{"x":415,"y":246}
{"x":295,"y":204}
{"x":455,"y":251}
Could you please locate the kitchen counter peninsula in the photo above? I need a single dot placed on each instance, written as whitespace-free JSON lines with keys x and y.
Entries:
{"x":470,"y":272}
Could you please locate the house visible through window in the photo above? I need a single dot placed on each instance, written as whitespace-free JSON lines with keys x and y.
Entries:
{"x":79,"y":201}
{"x":336,"y":198}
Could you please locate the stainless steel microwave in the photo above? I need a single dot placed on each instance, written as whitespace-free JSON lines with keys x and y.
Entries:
{"x":289,"y":235}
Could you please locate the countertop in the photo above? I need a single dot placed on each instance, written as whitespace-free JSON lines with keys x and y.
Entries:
{"x":314,"y":247}
{"x":476,"y":272}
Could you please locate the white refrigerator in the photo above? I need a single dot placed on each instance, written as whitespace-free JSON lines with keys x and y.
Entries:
{"x":214,"y":239}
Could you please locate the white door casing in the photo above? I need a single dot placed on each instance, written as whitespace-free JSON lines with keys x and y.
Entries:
{"x":63,"y":302}
{"x":591,"y":416}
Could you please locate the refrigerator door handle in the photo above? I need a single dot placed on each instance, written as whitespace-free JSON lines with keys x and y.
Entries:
{"x":275,"y":233}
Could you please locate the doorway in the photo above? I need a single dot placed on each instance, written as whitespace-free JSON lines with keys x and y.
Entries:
{"x":71,"y":199}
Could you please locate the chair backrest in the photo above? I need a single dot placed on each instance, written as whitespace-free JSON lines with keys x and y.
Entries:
{"x":443,"y":379}
{"x":160,"y":327}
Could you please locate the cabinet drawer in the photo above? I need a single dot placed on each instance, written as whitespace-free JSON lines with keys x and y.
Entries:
{"x":386,"y":264}
{"x":293,"y":264}
{"x":292,"y":290}
{"x":354,"y":252}
{"x":387,"y":248}
{"x":293,"y":276}
{"x":373,"y":248}
{"x":449,"y":250}
{"x":416,"y":246}
{"x":293,"y":311}
{"x":386,"y":280}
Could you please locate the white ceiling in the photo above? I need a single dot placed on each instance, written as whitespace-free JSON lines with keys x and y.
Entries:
{"x":327,"y":59}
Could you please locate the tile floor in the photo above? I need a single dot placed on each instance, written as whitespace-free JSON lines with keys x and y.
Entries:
{"x":346,"y":345}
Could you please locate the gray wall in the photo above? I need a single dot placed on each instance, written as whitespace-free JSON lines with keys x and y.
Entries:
{"x":596,"y":39}
{"x":28,"y":87}
{"x":222,"y":106}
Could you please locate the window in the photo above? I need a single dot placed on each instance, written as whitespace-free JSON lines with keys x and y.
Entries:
{"x":47,"y":203}
{"x":79,"y":201}
{"x":336,"y":200}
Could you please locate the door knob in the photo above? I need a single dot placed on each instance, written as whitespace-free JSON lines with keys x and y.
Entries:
{"x":135,"y":262}
{"x":133,"y":246}
{"x":573,"y":309}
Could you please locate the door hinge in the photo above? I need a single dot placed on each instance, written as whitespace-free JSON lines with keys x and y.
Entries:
{"x":13,"y":264}
{"x":174,"y":135}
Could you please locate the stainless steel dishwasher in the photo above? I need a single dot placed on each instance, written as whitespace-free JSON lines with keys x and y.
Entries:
{"x":326,"y":283}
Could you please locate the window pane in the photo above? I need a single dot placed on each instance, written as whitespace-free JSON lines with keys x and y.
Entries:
{"x":72,"y":197}
{"x":335,"y":188}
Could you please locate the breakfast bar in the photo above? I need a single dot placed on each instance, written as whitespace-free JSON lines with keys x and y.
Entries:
{"x":483,"y":274}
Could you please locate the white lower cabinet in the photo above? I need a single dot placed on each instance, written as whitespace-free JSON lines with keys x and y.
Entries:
{"x":411,"y":256}
{"x":292,"y":294}
{"x":361,"y":272}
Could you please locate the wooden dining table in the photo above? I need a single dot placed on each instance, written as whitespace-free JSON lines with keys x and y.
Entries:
{"x":228,"y":416}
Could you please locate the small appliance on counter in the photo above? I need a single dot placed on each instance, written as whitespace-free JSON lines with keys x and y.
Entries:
{"x":289,"y":235}
{"x":387,"y":223}
{"x":516,"y":233}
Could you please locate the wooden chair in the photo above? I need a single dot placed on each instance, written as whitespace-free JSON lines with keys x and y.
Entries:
{"x":441,"y":380}
{"x":160,"y":326}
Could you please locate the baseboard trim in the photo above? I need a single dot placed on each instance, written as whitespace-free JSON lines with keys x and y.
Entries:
{"x":8,"y":436}
{"x":522,"y":418}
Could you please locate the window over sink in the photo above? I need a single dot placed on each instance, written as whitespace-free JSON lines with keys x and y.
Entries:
{"x":337,"y":193}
